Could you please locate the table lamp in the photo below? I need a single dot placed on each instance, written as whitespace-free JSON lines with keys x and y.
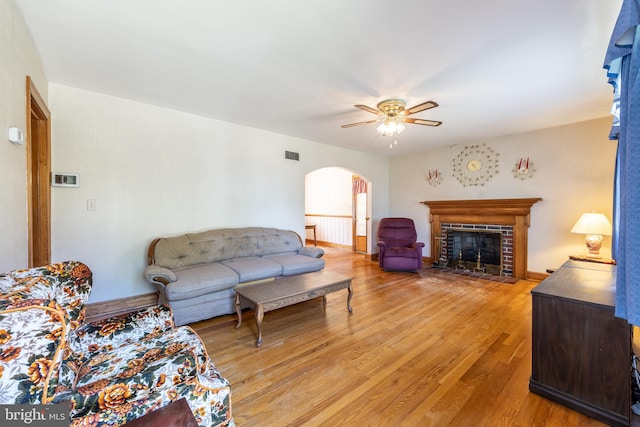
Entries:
{"x":594,"y":225}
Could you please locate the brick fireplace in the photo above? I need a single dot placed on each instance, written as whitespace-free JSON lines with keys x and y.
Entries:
{"x":509,"y":216}
{"x":478,"y":247}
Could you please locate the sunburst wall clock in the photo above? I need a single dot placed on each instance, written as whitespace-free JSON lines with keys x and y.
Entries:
{"x":475,"y":165}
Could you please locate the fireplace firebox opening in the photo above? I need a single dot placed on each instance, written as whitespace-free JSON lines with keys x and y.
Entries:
{"x":475,"y":250}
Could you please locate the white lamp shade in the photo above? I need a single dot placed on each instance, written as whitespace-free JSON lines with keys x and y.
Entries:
{"x":592,"y":223}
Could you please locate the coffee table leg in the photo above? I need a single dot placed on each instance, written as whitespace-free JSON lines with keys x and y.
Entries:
{"x":238,"y":311}
{"x":350,"y":289}
{"x":259,"y":312}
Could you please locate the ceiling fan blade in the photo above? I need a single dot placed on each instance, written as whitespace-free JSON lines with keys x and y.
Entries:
{"x":422,"y":122}
{"x":368,"y":109}
{"x":350,"y":125}
{"x":420,"y":107}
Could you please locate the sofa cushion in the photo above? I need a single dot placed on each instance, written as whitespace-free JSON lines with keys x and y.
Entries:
{"x":93,"y":338}
{"x":200,"y":280}
{"x":223,"y":244}
{"x":293,"y":263}
{"x":254,"y":268}
{"x":204,"y":307}
{"x":132,"y":379}
{"x":401,"y":252}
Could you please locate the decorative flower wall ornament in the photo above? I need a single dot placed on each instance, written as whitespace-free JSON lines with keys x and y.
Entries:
{"x":433,"y":177}
{"x":523,"y":169}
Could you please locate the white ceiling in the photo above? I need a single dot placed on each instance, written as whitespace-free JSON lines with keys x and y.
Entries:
{"x":297,"y":67}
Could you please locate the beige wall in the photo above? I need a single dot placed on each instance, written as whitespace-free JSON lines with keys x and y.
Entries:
{"x":574,"y":165}
{"x":18,"y":58}
{"x":157,"y":172}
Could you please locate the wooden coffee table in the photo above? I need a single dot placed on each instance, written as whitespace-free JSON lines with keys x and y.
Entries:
{"x":289,"y":290}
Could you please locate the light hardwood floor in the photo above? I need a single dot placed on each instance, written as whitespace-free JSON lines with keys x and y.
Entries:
{"x":426,"y":349}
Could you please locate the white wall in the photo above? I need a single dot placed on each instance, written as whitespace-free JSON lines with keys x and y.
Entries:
{"x":18,"y":58}
{"x":329,"y":192}
{"x":329,"y":196}
{"x":574,"y":165}
{"x":158,"y":172}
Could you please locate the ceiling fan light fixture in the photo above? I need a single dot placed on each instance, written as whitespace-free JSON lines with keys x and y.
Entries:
{"x":393,"y":114}
{"x":390,"y":127}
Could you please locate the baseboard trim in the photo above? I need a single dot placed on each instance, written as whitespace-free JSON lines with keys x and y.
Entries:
{"x":536,"y":277}
{"x":608,"y":417}
{"x":105,"y":309}
{"x":309,"y":242}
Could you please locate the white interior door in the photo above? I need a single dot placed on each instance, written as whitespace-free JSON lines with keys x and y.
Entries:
{"x":361,"y":219}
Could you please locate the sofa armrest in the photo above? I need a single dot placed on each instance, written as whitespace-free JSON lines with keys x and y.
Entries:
{"x":155,"y":274}
{"x":68,"y":283}
{"x":312,"y":252}
{"x":113,"y":332}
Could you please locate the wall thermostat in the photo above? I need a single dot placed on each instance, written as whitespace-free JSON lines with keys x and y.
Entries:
{"x":16,"y":136}
{"x":60,"y":179}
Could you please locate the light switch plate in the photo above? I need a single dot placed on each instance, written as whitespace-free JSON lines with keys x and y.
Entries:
{"x":16,"y":136}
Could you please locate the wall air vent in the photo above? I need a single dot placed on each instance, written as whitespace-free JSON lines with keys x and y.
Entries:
{"x":292,"y":155}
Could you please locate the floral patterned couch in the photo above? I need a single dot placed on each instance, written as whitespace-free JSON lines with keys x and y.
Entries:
{"x":111,"y":371}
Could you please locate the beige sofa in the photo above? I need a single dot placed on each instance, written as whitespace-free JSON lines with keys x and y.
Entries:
{"x":195,"y":274}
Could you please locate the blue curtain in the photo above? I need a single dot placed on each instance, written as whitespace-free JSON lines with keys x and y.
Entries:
{"x":622,"y":62}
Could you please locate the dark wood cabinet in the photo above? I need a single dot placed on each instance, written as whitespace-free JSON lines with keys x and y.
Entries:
{"x":581,"y":352}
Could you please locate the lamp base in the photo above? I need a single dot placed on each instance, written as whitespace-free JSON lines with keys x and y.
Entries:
{"x":594,"y":243}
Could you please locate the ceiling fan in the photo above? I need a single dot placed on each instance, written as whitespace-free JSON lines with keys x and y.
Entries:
{"x":392,"y":113}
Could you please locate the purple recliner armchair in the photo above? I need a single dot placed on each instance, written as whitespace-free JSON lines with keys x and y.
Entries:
{"x":398,"y":248}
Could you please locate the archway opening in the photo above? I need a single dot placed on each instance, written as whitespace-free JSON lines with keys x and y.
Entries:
{"x":338,"y":204}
